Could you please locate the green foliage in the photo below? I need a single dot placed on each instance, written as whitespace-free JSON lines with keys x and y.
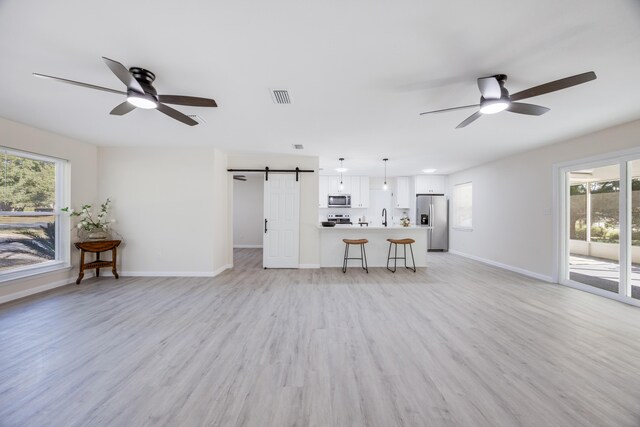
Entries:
{"x":605,"y":187}
{"x":578,"y":189}
{"x":87,"y":220}
{"x":26,"y":184}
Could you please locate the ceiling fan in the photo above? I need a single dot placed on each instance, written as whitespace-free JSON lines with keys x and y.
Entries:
{"x":141,"y":93}
{"x":495,"y":97}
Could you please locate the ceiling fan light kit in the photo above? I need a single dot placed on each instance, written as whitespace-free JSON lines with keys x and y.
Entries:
{"x":495,"y":98}
{"x":493,"y":106}
{"x":141,"y":93}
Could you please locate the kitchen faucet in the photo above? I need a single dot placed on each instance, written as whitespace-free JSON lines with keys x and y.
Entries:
{"x":384,"y":215}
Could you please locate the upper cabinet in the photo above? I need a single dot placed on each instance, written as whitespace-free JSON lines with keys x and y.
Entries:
{"x":430,"y":184}
{"x":360,"y":191}
{"x":356,"y":186}
{"x":402,"y":193}
{"x":334,"y":184}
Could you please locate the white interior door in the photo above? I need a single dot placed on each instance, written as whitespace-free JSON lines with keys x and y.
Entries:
{"x":281,"y":221}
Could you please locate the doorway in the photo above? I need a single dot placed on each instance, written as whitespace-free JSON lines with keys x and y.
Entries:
{"x":248,"y":194}
{"x":600,"y":227}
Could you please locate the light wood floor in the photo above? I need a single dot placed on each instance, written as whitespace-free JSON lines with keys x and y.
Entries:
{"x":457,"y":344}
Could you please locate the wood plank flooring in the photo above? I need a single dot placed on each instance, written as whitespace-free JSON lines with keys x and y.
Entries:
{"x":455,"y":344}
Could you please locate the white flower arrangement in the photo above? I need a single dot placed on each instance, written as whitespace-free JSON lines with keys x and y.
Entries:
{"x":87,"y":220}
{"x":405,"y":221}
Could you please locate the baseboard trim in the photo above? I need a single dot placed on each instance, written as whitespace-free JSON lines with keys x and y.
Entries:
{"x":305,"y":266}
{"x":221,"y":269}
{"x":173,"y":273}
{"x":36,"y":290}
{"x":247,"y":246}
{"x":518,"y":270}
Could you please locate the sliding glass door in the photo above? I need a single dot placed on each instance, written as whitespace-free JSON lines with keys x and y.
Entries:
{"x":634,"y":215}
{"x":600,"y":246}
{"x":594,"y":227}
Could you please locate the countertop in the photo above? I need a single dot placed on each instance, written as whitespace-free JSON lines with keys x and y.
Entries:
{"x":374,"y":227}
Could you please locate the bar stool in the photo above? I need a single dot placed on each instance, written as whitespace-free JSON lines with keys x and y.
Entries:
{"x":363,"y":253}
{"x":395,"y":258}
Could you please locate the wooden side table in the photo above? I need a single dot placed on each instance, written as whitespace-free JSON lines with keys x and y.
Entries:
{"x":96,"y":247}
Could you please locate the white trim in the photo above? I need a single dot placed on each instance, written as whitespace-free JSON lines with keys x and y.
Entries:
{"x":458,"y":228}
{"x":34,"y":270}
{"x":36,"y":290}
{"x":247,"y":246}
{"x":306,"y":266}
{"x":518,"y":270}
{"x":561,"y":220}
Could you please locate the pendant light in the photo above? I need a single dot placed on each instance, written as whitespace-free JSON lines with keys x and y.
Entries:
{"x":385,"y":187}
{"x":341,"y":170}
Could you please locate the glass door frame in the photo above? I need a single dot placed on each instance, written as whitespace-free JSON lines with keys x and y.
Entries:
{"x":561,"y":221}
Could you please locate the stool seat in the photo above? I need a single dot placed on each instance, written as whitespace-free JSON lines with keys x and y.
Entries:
{"x":355,"y":241}
{"x":363,"y":253}
{"x":401,"y":241}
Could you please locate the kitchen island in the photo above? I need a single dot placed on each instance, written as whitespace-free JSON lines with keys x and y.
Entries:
{"x":332,"y":246}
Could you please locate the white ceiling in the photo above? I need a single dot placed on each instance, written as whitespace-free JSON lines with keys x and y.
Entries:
{"x":359,"y":72}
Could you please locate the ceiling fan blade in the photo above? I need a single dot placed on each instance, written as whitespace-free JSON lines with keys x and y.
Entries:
{"x":123,"y":74}
{"x":175,"y":114}
{"x":554,"y":86}
{"x":191,"y":101}
{"x":73,"y":82}
{"x":122,"y":109}
{"x":449,"y":109}
{"x":530,"y":109}
{"x":489,"y":88}
{"x":470,"y":119}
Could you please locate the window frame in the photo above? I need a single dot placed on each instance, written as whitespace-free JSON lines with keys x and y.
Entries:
{"x":456,"y":206}
{"x":63,"y":241}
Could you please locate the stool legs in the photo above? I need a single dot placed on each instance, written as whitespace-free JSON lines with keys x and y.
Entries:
{"x":363,"y":254}
{"x":363,"y":258}
{"x":346,"y":257}
{"x":395,"y":257}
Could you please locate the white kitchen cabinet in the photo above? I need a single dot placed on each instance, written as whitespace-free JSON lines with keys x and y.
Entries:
{"x":323,"y":191}
{"x":402,"y":193}
{"x":360,"y":191}
{"x":334,"y":184}
{"x":430,"y":184}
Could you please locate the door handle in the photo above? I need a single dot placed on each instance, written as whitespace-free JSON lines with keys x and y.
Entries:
{"x":265,"y":226}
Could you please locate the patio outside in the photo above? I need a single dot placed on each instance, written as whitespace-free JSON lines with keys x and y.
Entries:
{"x":594,"y":228}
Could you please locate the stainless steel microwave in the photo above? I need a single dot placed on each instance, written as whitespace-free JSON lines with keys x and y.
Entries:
{"x":339,"y":201}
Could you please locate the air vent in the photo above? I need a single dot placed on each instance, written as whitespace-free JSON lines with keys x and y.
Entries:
{"x":197,"y":118}
{"x":280,"y":96}
{"x":298,"y":146}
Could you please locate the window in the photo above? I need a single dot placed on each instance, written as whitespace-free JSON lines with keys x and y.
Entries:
{"x":463,"y":205}
{"x":30,"y":195}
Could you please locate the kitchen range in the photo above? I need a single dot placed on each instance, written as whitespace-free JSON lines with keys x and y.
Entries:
{"x":339,"y":219}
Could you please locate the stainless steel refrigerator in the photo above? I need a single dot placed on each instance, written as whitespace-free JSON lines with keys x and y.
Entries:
{"x":432,"y":210}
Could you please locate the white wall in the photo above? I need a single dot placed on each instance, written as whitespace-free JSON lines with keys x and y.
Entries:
{"x":82,"y":187}
{"x":513,"y":197}
{"x":248,"y":211}
{"x":172,"y":208}
{"x":309,"y":243}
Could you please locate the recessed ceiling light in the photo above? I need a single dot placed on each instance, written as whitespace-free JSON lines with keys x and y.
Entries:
{"x":429,"y":170}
